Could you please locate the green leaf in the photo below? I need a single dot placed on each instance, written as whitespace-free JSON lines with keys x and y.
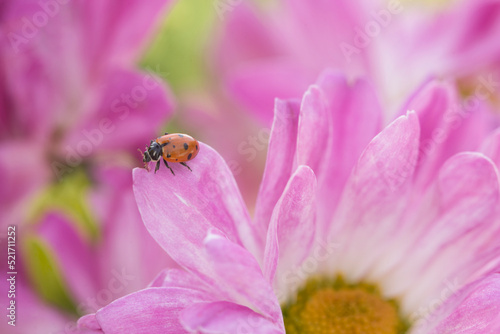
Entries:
{"x":69,"y":197}
{"x":44,"y":274}
{"x":178,"y":52}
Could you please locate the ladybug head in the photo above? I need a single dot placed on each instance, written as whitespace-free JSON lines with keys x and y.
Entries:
{"x":152,"y":153}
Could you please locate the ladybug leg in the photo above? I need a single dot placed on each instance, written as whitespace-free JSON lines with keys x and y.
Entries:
{"x":166,"y":133}
{"x":184,"y":164}
{"x":157,"y":166}
{"x":166,"y":164}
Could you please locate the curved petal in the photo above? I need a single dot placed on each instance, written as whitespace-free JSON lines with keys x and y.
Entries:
{"x":89,"y":324}
{"x":240,"y":277}
{"x":293,"y":219}
{"x":126,"y":247}
{"x":226,"y":318}
{"x":279,"y":162}
{"x":375,"y":195}
{"x":180,"y":210}
{"x":314,"y":136}
{"x":356,"y":119}
{"x":456,"y":243}
{"x":474,"y":309}
{"x":178,"y":278}
{"x":152,"y":310}
{"x":491,"y":147}
{"x":444,"y":120}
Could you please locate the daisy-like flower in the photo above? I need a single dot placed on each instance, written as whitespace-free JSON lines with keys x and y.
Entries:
{"x":71,"y":92}
{"x":279,"y":52}
{"x":357,"y":229}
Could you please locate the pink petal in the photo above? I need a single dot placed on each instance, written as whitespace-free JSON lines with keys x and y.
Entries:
{"x":315,"y":31}
{"x":293,"y":219}
{"x":444,"y":121}
{"x":457,"y":242}
{"x":279,"y":163}
{"x":239,"y":275}
{"x":375,"y":194}
{"x":472,"y":310}
{"x":245,"y":37}
{"x":19,"y":179}
{"x":491,"y":147}
{"x":152,"y":310}
{"x":38,"y":86}
{"x":115,"y":34}
{"x":40,"y":317}
{"x":356,"y":119}
{"x":283,"y":79}
{"x":178,"y":278}
{"x":227,"y":318}
{"x":89,"y":323}
{"x":180,"y":210}
{"x":126,"y":247}
{"x":124,"y":119}
{"x":73,"y":254}
{"x":314,"y":136}
{"x":469,"y":42}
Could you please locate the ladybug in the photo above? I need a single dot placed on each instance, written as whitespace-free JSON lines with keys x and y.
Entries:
{"x":173,"y":147}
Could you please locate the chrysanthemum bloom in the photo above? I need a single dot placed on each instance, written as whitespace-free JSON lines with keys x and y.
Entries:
{"x":357,"y":229}
{"x":277,"y":52}
{"x":72,"y":95}
{"x":64,"y":273}
{"x":70,"y":90}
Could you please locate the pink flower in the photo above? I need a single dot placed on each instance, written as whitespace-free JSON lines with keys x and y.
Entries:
{"x":349,"y":214}
{"x":263,"y":54}
{"x":71,"y":92}
{"x":122,"y":259}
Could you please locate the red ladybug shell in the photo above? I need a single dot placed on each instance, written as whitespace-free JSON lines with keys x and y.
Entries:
{"x":178,"y":147}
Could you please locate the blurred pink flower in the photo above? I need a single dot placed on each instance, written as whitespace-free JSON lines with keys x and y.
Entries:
{"x":70,"y":89}
{"x":264,"y":54}
{"x":123,"y":259}
{"x":340,"y":195}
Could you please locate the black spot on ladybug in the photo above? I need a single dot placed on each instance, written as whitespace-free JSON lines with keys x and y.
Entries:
{"x":176,"y":159}
{"x":186,"y":146}
{"x":189,"y":156}
{"x":173,"y":146}
{"x":168,"y":155}
{"x":181,"y":136}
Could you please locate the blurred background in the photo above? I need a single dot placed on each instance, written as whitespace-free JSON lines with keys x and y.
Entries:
{"x":84,"y":84}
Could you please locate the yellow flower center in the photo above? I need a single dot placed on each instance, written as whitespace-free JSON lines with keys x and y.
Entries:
{"x":336,"y":307}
